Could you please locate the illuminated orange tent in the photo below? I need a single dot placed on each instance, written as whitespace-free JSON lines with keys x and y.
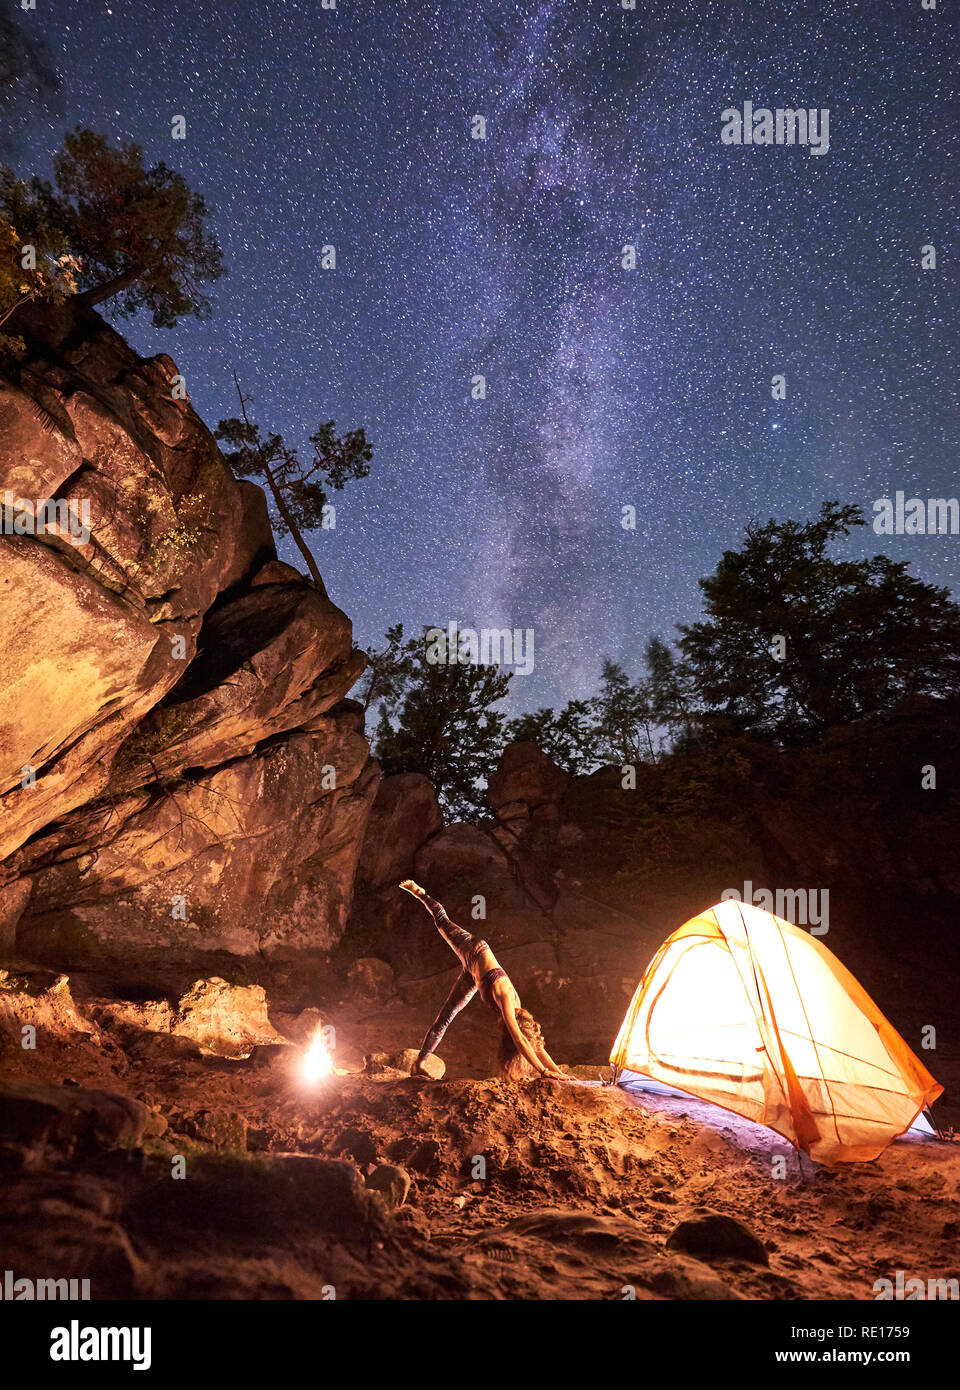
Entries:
{"x":745,"y":1010}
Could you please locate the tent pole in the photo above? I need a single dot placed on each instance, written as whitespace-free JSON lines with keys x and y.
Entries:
{"x":932,"y":1122}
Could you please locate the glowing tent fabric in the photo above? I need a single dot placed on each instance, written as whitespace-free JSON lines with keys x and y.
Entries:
{"x":745,"y":1010}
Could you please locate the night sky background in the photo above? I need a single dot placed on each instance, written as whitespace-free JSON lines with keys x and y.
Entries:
{"x":455,"y":257}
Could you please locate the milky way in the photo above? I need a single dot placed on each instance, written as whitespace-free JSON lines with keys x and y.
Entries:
{"x":457,"y":257}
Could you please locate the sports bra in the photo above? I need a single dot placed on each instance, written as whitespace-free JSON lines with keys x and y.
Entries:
{"x":486,"y":987}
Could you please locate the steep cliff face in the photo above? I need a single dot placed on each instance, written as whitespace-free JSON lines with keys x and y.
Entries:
{"x":181,"y":778}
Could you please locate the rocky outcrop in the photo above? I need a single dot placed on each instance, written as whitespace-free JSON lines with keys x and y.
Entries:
{"x":181,"y":779}
{"x":72,"y":1121}
{"x":527,"y":785}
{"x":573,"y":958}
{"x":405,"y":815}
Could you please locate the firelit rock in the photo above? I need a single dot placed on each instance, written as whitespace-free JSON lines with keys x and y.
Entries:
{"x":405,"y":815}
{"x":176,"y":744}
{"x":391,"y":1182}
{"x":226,"y":1020}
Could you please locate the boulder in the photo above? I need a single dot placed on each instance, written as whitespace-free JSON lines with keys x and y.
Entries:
{"x":242,"y":1199}
{"x":42,"y":1000}
{"x":711,"y":1236}
{"x":255,"y":675}
{"x":225,"y":1020}
{"x":71,"y":1120}
{"x":220,"y":1128}
{"x":392,"y":1183}
{"x":371,"y":979}
{"x":401,"y":1063}
{"x":434,"y":1066}
{"x":526,"y":782}
{"x":257,"y":856}
{"x":405,"y":815}
{"x":276,"y":572}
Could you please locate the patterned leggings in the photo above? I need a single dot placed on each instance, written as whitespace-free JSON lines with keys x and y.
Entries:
{"x":463,"y":945}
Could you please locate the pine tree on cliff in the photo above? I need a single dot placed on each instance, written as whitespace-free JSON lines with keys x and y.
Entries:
{"x":139,"y":234}
{"x":297,"y":488}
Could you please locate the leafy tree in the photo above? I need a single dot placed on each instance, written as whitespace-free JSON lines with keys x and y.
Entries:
{"x":795,"y":642}
{"x":669,"y":692}
{"x":568,"y":738}
{"x":624,"y":722}
{"x":138,"y":233}
{"x":38,"y":268}
{"x":438,"y":718}
{"x":297,"y":488}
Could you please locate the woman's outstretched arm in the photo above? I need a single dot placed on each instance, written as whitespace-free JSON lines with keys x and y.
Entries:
{"x":549,"y":1063}
{"x":520,"y":1042}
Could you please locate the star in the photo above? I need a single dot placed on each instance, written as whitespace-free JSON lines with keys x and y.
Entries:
{"x":504,"y":258}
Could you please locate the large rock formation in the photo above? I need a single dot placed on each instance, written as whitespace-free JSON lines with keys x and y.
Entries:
{"x":181,"y":778}
{"x":573,"y":958}
{"x":405,"y":815}
{"x":527,"y":785}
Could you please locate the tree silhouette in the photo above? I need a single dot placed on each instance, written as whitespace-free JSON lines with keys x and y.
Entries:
{"x":438,"y":718}
{"x":298,"y":489}
{"x":138,"y":233}
{"x":795,"y":642}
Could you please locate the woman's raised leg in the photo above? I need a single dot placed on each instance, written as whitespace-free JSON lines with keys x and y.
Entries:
{"x":459,"y":940}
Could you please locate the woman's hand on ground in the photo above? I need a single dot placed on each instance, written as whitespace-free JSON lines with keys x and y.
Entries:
{"x":409,"y":886}
{"x":554,"y":1074}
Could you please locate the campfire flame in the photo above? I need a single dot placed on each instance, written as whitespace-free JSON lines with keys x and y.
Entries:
{"x":317,"y":1061}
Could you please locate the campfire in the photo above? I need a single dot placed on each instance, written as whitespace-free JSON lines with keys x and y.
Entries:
{"x":317,"y":1061}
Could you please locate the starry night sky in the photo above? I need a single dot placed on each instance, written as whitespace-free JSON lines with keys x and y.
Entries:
{"x":455,"y":257}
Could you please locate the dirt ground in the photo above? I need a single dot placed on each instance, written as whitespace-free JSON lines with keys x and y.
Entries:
{"x":466,"y":1187}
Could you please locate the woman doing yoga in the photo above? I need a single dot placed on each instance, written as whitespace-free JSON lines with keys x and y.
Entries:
{"x":521,"y":1041}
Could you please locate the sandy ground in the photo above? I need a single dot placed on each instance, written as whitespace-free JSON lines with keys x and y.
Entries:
{"x":546,"y":1190}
